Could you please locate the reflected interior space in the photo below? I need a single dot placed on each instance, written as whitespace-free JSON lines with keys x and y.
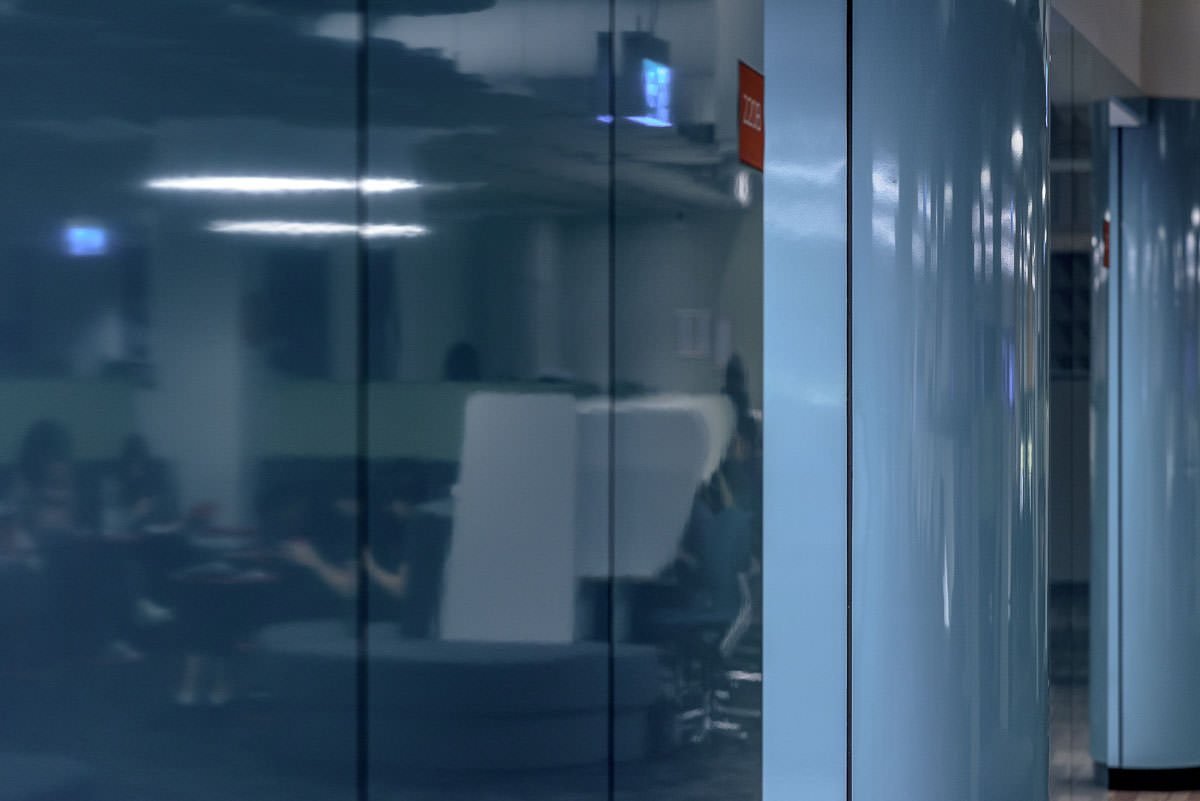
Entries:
{"x":381,"y":401}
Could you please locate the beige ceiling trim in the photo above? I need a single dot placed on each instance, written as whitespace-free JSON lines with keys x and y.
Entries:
{"x":1170,"y":56}
{"x":1114,"y":27}
{"x":1153,"y":43}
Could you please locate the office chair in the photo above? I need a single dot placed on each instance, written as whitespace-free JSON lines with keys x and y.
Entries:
{"x":715,"y":657}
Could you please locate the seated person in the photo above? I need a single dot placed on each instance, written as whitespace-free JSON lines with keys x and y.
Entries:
{"x":310,"y":573}
{"x":461,"y":363}
{"x":322,"y":575}
{"x":145,"y":498}
{"x":44,"y":493}
{"x":317,"y":546}
{"x":22,"y":588}
{"x":85,"y":583}
{"x":139,"y":500}
{"x":725,"y":524}
{"x":386,"y":561}
{"x":405,"y":560}
{"x":17,"y":549}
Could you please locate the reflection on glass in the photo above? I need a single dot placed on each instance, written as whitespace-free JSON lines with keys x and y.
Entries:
{"x":686,"y":514}
{"x":327,"y":476}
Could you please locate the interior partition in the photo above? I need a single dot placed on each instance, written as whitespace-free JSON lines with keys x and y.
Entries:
{"x":1151,"y":547}
{"x":950,"y":400}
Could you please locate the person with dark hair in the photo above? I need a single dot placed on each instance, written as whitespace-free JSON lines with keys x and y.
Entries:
{"x":22,"y":591}
{"x":461,"y":363}
{"x":45,"y":489}
{"x":139,"y":502}
{"x":144,"y":494}
{"x":315,"y":541}
{"x":735,"y":387}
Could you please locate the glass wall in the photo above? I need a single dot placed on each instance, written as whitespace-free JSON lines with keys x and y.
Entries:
{"x":1081,"y":83}
{"x":381,"y":401}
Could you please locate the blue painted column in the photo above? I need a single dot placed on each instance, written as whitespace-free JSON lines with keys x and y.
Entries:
{"x":1103,"y":433}
{"x":942,"y":692}
{"x":1154,"y":587}
{"x":804,"y":459}
{"x":950,"y":400}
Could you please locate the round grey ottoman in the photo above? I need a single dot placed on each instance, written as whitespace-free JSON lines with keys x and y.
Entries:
{"x":454,"y":706}
{"x":35,"y":777}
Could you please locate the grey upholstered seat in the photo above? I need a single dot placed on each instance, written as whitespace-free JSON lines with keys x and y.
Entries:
{"x":454,"y":705}
{"x":36,"y":777}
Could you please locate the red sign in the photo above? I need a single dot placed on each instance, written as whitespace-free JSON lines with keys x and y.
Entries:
{"x":1107,"y":234}
{"x":750,"y":116}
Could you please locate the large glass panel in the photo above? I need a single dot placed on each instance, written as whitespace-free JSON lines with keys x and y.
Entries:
{"x":1081,"y":83}
{"x":488,"y":660}
{"x":364,"y":434}
{"x":687,"y":395}
{"x":176,"y":371}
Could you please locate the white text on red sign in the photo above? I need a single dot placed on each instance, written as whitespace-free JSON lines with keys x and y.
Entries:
{"x":752,"y":115}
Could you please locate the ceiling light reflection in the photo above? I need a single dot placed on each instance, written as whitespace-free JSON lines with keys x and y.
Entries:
{"x":305,"y":228}
{"x":273,"y":185}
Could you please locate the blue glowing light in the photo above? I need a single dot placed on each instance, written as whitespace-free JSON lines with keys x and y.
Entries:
{"x":85,"y":240}
{"x":656,"y":85}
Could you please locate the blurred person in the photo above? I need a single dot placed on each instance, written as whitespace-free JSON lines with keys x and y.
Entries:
{"x":736,"y":386}
{"x":140,"y":503}
{"x":22,"y":590}
{"x":314,"y":575}
{"x":85,"y":582}
{"x":146,"y":499}
{"x":320,"y":547}
{"x":461,"y":363}
{"x":45,"y":488}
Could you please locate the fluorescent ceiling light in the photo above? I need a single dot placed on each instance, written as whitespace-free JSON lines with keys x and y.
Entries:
{"x":274,"y":185}
{"x":393,"y":231}
{"x":380,"y":186}
{"x":303,"y":228}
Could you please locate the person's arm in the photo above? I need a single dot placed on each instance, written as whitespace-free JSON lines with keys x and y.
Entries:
{"x":342,"y":580}
{"x":394,"y":582}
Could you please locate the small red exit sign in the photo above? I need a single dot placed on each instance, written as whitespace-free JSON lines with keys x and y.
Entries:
{"x":750,"y":116}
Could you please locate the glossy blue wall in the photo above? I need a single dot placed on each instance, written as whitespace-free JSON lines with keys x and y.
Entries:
{"x":950,"y":403}
{"x":1102,"y":638}
{"x":804,"y":318}
{"x":1156,"y":595}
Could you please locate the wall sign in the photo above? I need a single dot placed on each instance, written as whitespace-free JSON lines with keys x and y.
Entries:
{"x":750,"y":116}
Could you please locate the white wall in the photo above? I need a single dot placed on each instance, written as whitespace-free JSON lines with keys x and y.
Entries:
{"x":432,"y":280}
{"x":532,"y":295}
{"x":1114,"y":27}
{"x":195,"y":414}
{"x":1170,"y":65}
{"x":1151,"y":43}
